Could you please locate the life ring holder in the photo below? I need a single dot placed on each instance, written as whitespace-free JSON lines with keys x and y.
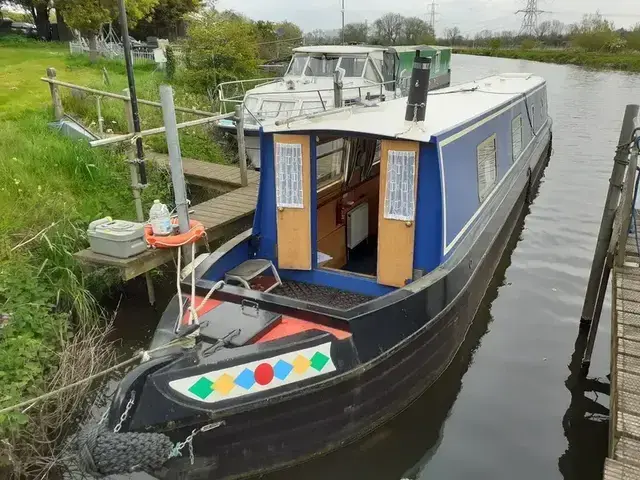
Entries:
{"x":196,"y":232}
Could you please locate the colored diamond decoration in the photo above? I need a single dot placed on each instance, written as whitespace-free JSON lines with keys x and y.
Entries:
{"x":300,"y":364}
{"x":319,"y":360}
{"x":245,"y":379}
{"x":282,"y":369}
{"x":224,"y":384}
{"x":202,"y":388}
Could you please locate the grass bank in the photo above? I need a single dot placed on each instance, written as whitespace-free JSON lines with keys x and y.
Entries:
{"x":625,"y":61}
{"x":50,"y":189}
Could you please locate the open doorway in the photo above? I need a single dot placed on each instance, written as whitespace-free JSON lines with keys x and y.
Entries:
{"x":348,"y":184}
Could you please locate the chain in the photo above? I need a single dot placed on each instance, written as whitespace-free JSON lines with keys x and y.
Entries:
{"x":177,"y":449}
{"x":125,"y":414}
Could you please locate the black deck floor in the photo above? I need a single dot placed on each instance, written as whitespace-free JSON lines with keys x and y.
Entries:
{"x":320,"y":294}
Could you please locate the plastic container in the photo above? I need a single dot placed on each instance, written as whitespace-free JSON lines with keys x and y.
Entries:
{"x":116,"y":238}
{"x":160,"y":219}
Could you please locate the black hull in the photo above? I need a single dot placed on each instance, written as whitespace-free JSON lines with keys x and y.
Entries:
{"x":294,"y":428}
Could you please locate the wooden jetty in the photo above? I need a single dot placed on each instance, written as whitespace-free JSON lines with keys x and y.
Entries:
{"x":617,"y":252}
{"x":624,"y":428}
{"x":221,"y":216}
{"x":206,"y":174}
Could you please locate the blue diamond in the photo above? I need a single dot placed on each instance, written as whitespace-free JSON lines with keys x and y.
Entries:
{"x":282,"y":369}
{"x":245,"y":379}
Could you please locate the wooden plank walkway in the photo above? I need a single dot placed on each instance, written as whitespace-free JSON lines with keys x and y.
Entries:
{"x":624,"y":422}
{"x":207,"y":174}
{"x":224,"y":215}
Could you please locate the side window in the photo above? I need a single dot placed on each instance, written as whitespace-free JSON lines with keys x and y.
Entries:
{"x":371,"y":74}
{"x":487,"y":167}
{"x":516,"y":137}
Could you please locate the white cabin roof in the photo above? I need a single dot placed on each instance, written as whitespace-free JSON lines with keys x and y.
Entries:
{"x":446,"y":109}
{"x":338,"y":49}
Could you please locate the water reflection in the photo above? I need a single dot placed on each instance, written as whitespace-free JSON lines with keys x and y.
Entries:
{"x":585,"y":422}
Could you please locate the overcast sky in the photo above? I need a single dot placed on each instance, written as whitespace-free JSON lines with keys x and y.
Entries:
{"x":470,"y":16}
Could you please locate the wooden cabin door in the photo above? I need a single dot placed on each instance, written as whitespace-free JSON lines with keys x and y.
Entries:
{"x":396,"y":214}
{"x":292,"y":159}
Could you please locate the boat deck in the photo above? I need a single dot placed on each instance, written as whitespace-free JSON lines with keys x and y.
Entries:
{"x":221,"y":216}
{"x":320,"y":294}
{"x":624,"y":430}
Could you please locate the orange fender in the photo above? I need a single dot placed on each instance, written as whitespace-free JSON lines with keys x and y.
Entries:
{"x":195,"y":233}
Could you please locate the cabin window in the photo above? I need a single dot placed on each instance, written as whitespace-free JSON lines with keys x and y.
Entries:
{"x":321,"y":65}
{"x":298,"y":63}
{"x":330,"y":154}
{"x":399,"y":203}
{"x":353,"y":66}
{"x":516,"y":137}
{"x":371,"y":74}
{"x":487,"y":167}
{"x":289,"y":175}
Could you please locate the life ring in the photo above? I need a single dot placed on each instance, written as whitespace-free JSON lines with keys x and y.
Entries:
{"x":195,"y":233}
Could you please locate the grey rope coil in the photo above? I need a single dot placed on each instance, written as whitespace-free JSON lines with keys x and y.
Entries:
{"x":101,"y":452}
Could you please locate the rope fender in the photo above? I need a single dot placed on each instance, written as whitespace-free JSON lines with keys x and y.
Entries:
{"x":101,"y":452}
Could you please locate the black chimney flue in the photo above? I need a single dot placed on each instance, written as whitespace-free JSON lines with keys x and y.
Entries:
{"x":417,"y":100}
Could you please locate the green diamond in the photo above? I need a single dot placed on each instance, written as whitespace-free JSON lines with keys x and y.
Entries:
{"x":202,"y":388}
{"x":319,"y":360}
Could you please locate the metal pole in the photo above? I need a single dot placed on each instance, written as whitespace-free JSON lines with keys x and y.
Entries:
{"x":242,"y":150}
{"x":175,"y":164}
{"x":126,"y":43}
{"x":342,"y":22}
{"x":621,"y":160}
{"x":135,"y":189}
{"x":337,"y":89}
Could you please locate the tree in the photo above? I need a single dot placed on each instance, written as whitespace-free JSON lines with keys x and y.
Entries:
{"x":356,"y":32}
{"x":389,"y":28}
{"x":452,"y":34}
{"x":219,"y":48}
{"x":320,"y":37}
{"x":166,"y":18}
{"x":88,"y":16}
{"x":417,"y":31}
{"x":595,"y":33}
{"x":633,"y":37}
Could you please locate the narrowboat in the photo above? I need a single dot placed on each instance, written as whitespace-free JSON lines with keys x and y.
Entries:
{"x":369,"y":73}
{"x":376,"y":232}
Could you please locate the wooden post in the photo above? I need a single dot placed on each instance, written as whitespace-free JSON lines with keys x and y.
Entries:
{"x":626,"y":206}
{"x":100,"y":119}
{"x":135,"y":186}
{"x":55,"y":95}
{"x":242,"y":149}
{"x":621,"y":160}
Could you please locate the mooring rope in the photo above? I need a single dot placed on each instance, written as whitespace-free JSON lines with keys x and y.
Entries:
{"x":143,"y":354}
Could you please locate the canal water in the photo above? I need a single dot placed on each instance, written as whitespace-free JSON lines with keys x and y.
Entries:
{"x":512,"y":405}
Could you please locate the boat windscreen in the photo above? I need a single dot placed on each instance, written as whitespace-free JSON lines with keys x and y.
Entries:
{"x":321,"y":65}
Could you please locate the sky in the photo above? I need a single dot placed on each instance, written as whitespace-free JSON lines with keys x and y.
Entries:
{"x":470,"y":16}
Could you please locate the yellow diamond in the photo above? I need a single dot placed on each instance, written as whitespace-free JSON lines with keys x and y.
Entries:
{"x":224,"y":384}
{"x":300,"y":364}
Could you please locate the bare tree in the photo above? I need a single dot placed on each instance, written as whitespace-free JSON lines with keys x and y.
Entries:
{"x":452,"y":34}
{"x":417,"y":31}
{"x":389,"y":28}
{"x":356,"y":32}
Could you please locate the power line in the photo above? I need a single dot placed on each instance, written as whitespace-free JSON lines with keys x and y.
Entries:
{"x":530,"y":20}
